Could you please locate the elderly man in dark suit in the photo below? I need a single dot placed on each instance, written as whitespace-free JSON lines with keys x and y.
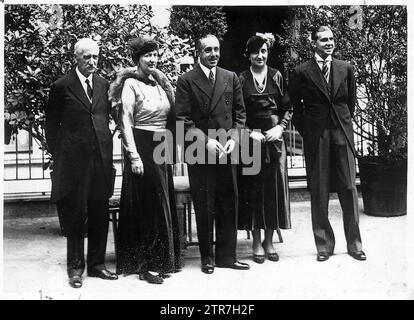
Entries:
{"x":79,"y":139}
{"x":323,"y":94}
{"x":209,"y":97}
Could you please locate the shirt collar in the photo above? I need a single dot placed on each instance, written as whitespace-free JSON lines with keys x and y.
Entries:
{"x":319,"y":58}
{"x":207,"y":70}
{"x":82,"y":78}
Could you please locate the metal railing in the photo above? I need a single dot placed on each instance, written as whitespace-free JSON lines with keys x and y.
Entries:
{"x":25,"y":160}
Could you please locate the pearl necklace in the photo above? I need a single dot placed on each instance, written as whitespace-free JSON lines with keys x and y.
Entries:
{"x":260,"y":89}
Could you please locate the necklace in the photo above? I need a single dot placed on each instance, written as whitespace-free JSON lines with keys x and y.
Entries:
{"x":260,"y":87}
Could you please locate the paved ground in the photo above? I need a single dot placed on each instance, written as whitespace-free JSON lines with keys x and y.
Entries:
{"x":34,"y":266}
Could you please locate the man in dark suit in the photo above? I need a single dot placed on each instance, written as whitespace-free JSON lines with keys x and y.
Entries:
{"x":79,"y":139}
{"x":323,"y":93}
{"x":209,"y":97}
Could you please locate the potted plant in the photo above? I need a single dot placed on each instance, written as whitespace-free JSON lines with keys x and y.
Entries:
{"x":374,"y":40}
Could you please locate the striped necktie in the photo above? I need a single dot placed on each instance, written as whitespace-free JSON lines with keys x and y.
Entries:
{"x":325,"y":71}
{"x":89,"y":89}
{"x":211,"y":78}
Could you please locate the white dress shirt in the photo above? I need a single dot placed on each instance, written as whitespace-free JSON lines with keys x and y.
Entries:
{"x":207,"y":71}
{"x":82,"y":79}
{"x":320,"y":62}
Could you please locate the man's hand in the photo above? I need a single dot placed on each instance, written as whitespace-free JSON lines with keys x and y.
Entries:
{"x":257,"y":136}
{"x":137,"y":167}
{"x":215,"y":147}
{"x":229,"y":146}
{"x":274,"y":134}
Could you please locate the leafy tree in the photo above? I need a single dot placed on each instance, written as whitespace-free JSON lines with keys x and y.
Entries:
{"x":193,"y":22}
{"x":39,"y":41}
{"x":374,"y":40}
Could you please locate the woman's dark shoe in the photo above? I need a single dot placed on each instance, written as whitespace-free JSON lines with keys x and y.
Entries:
{"x":150,"y":278}
{"x":259,"y":258}
{"x":271,"y":256}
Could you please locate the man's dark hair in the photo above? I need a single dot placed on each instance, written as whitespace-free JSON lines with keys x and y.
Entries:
{"x":198,"y":41}
{"x":317,"y":29}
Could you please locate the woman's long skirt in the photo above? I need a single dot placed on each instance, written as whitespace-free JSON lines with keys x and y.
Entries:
{"x":148,"y":221}
{"x":264,"y":197}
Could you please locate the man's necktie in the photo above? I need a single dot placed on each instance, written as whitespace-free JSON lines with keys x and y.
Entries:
{"x":325,"y":71}
{"x":211,"y":78}
{"x":89,"y":89}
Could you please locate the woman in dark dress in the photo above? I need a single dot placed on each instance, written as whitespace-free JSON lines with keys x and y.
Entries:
{"x":148,"y":223}
{"x":263,"y":198}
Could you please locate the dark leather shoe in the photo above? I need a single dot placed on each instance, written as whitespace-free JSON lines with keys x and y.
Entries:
{"x":103,"y":274}
{"x":237,"y":265}
{"x":259,"y":258}
{"x":75,"y":282}
{"x":207,"y":268}
{"x":322,"y":256}
{"x":359,"y":255}
{"x":150,"y":278}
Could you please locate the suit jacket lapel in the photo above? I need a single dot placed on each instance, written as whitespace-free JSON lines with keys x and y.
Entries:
{"x":316,"y":76}
{"x":201,"y":82}
{"x":97,"y":90}
{"x":77,"y":90}
{"x":337,"y":71}
{"x":219,"y":87}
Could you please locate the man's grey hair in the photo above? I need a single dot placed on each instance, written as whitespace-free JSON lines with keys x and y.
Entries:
{"x":83,"y":44}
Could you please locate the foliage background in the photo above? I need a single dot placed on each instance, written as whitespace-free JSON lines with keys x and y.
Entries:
{"x":39,"y":42}
{"x":193,"y":22}
{"x":374,"y":40}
